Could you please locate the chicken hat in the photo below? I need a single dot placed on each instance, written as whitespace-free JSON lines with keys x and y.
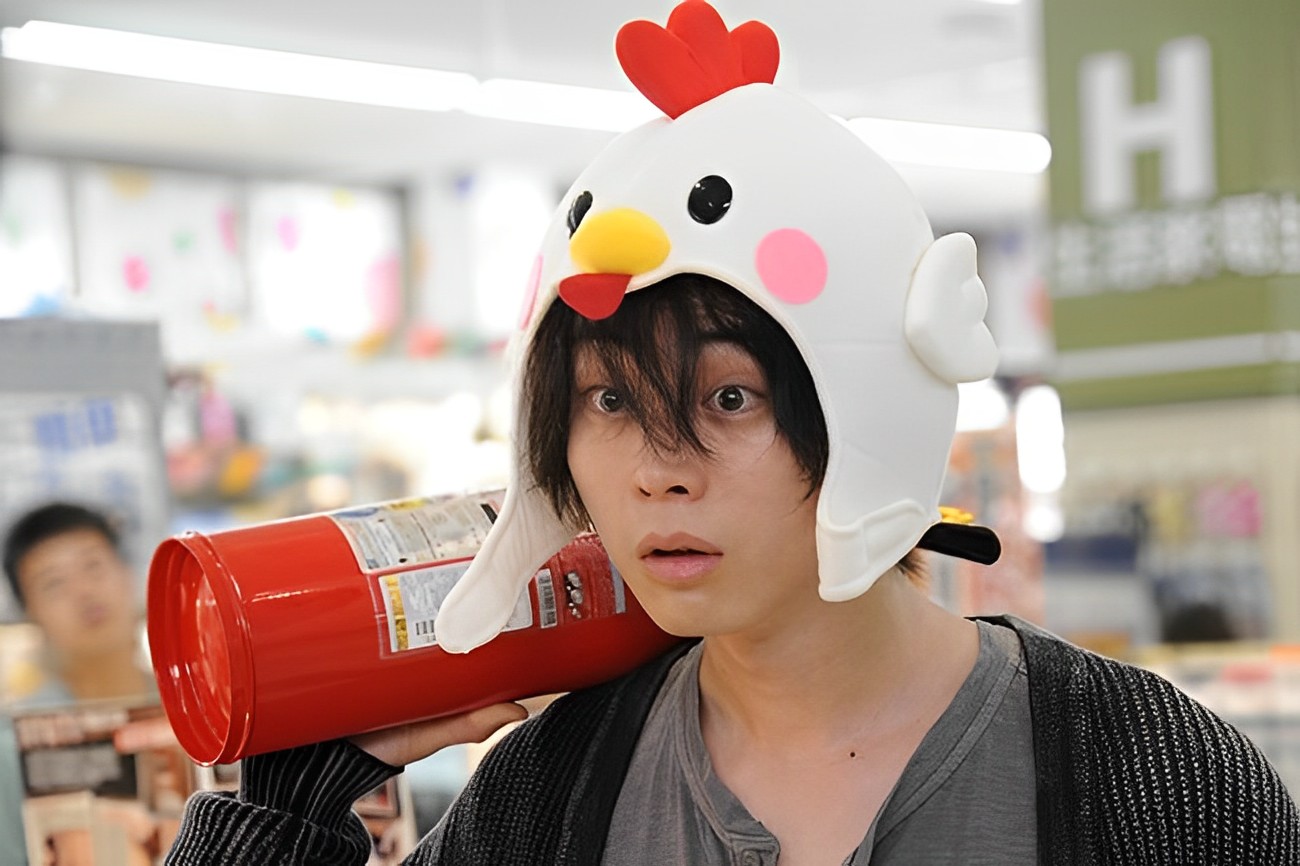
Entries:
{"x":749,"y":184}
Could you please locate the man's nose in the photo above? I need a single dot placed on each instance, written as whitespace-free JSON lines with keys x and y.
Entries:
{"x":676,"y":473}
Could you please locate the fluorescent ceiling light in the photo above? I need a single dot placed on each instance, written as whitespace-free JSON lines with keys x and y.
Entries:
{"x":561,"y":105}
{"x":282,"y":72}
{"x":234,"y":66}
{"x":942,"y":145}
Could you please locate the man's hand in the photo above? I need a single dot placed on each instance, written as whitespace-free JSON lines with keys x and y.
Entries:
{"x":404,"y":744}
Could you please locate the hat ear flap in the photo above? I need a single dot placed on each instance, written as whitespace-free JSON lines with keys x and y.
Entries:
{"x":525,"y":535}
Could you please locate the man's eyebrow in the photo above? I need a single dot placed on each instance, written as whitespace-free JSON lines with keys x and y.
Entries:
{"x":45,"y":571}
{"x":79,"y":548}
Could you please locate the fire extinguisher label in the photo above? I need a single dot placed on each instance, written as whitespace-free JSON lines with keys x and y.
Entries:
{"x":414,"y":531}
{"x":412,"y":600}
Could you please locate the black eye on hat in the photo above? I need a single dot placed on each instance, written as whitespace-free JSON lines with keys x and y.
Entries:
{"x":578,"y":210}
{"x":710,"y":198}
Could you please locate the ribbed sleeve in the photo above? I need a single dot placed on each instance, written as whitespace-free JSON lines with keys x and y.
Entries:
{"x":318,"y":782}
{"x":294,"y":807}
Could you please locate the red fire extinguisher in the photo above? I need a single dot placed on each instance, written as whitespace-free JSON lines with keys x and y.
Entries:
{"x":316,"y":627}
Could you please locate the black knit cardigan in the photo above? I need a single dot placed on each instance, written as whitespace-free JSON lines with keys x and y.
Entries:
{"x":1130,"y":771}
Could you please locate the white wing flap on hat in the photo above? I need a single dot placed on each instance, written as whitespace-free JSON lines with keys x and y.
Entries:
{"x":944,"y":318}
{"x":478,"y":607}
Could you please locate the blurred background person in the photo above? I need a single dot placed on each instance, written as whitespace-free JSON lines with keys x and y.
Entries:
{"x":66,"y":569}
{"x":65,"y":566}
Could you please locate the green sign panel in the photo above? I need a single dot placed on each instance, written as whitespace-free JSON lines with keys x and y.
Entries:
{"x":1175,"y":198}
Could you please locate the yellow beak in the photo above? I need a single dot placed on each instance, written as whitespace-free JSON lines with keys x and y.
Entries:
{"x":620,"y":241}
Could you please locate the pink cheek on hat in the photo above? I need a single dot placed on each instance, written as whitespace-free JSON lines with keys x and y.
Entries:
{"x":530,"y":295}
{"x":792,"y":265}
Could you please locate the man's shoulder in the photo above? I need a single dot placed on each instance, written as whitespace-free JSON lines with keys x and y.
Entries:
{"x":547,"y":785}
{"x":1112,"y":738}
{"x":577,"y":728}
{"x":1108,"y":696}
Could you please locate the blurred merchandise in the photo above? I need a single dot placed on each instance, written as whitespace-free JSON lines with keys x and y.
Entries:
{"x":984,"y":479}
{"x":106,"y":783}
{"x":283,"y":450}
{"x":101,"y":781}
{"x":209,"y":458}
{"x":1180,"y":517}
{"x":388,"y":813}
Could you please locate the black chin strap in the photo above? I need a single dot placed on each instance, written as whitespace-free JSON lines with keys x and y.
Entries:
{"x":964,"y":540}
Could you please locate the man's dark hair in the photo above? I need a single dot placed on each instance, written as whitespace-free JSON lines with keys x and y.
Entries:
{"x":43,"y":523}
{"x":650,"y":349}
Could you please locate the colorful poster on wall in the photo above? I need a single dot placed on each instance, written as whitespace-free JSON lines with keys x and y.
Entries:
{"x":35,"y":237}
{"x":325,"y":262}
{"x":161,"y":246}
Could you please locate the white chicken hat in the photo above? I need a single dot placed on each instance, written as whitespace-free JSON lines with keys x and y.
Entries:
{"x":749,"y":184}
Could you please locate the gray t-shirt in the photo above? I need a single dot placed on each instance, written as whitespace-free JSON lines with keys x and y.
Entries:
{"x":966,"y":796}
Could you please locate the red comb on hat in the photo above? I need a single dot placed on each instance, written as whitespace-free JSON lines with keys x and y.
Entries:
{"x":695,"y":58}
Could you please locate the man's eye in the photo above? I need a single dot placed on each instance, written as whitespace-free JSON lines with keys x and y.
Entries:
{"x":609,"y":400}
{"x":730,"y":399}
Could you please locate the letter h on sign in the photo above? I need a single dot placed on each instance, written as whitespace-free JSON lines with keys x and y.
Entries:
{"x":1179,"y":124}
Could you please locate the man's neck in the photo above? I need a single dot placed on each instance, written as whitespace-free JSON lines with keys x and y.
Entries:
{"x":848,"y":666}
{"x":111,"y":674}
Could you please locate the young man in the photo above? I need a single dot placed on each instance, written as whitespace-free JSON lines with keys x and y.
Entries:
{"x":740,"y":365}
{"x":66,"y":570}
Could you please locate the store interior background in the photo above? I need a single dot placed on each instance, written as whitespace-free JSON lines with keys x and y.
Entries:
{"x":223,"y":306}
